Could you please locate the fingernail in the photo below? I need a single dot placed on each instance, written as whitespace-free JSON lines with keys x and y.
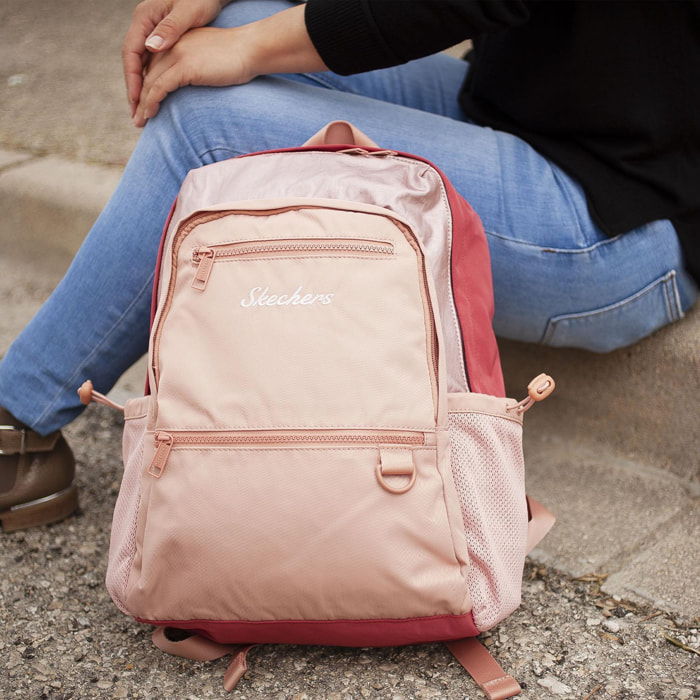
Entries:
{"x":154,"y":42}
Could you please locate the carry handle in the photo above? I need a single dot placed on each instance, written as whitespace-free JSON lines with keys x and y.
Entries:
{"x":540,"y":522}
{"x":341,"y":133}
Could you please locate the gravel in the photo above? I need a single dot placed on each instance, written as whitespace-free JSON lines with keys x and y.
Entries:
{"x":61,"y":636}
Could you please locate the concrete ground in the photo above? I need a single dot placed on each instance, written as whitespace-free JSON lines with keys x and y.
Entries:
{"x":609,"y":595}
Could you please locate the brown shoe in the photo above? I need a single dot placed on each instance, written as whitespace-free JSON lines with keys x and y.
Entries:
{"x":36,"y":476}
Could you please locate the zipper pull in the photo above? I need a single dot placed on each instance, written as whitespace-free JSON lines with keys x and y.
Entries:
{"x":354,"y":151}
{"x":358,"y":151}
{"x":164,"y":443}
{"x":87,"y":394}
{"x":537,"y":390}
{"x":206,"y":262}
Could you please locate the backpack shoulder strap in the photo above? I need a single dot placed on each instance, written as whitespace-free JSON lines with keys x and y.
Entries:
{"x":484,"y":669}
{"x":201,"y":649}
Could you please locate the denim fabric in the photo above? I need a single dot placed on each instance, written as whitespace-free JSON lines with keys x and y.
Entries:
{"x":557,"y":278}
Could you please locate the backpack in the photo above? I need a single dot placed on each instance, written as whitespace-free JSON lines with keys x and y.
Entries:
{"x":325,"y":454}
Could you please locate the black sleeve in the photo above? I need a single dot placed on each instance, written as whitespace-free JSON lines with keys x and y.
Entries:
{"x":353,"y":36}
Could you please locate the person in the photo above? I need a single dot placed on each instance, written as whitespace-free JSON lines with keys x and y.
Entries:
{"x":571,"y":129}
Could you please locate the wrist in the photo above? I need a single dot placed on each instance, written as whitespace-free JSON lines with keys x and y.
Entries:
{"x":281,"y":44}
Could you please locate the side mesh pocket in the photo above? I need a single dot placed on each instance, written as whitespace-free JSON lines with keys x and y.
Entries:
{"x":489,"y":475}
{"x":122,"y":546}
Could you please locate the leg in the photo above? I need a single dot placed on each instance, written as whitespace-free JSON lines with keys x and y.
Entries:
{"x":95,"y":324}
{"x":558,"y":279}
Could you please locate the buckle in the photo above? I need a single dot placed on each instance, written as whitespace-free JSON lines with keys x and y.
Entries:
{"x":23,"y":440}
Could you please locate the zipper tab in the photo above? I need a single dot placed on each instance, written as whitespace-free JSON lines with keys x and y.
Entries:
{"x":164,"y":442}
{"x":358,"y":151}
{"x":206,"y":263}
{"x":537,"y":390}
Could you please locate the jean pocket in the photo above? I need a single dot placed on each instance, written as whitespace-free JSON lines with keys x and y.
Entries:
{"x":619,"y":324}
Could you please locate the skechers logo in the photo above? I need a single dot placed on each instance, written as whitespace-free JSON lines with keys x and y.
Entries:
{"x":258,"y":296}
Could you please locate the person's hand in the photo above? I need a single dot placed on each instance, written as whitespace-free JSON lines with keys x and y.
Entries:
{"x":156,"y":26}
{"x":218,"y":57}
{"x":205,"y":56}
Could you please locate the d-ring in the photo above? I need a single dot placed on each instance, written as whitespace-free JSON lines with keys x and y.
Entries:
{"x":396,"y":489}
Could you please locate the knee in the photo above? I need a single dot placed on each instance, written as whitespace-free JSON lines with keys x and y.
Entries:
{"x":221,"y":122}
{"x":192,"y":123}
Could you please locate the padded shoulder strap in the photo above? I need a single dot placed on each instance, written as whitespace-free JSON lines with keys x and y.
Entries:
{"x":540,"y":523}
{"x":484,"y":669}
{"x":200,"y":649}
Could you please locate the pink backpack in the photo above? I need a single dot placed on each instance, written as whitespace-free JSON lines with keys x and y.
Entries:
{"x":325,"y":455}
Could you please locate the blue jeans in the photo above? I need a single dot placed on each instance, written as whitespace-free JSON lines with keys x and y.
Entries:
{"x":558,"y":279}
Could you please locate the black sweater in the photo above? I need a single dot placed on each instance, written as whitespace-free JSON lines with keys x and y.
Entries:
{"x":607,"y":89}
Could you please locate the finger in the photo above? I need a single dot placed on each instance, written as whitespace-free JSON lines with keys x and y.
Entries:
{"x":167,"y":77}
{"x":133,"y":75}
{"x":134,"y":53}
{"x":132,"y":65}
{"x":169,"y":30}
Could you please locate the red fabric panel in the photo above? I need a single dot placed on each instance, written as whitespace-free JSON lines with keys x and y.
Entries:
{"x":472,"y":288}
{"x":346,"y":633}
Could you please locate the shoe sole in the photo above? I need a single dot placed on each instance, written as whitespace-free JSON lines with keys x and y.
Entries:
{"x":43,"y":511}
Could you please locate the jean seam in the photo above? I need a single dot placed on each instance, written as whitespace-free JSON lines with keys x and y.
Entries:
{"x":667,"y":295}
{"x":325,"y":82}
{"x":549,"y":249}
{"x":675,"y":307}
{"x":233,"y":153}
{"x":559,"y":179}
{"x":73,"y":379}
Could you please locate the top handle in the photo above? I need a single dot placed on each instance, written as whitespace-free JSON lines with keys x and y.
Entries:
{"x":341,"y":133}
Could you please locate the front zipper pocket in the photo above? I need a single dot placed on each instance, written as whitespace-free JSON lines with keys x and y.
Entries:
{"x":205,"y":256}
{"x":319,"y":316}
{"x":295,"y":530}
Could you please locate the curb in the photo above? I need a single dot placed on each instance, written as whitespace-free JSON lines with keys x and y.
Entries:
{"x":49,"y":205}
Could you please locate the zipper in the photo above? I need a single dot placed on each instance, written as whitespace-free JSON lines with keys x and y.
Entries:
{"x":166,"y":441}
{"x":205,"y":256}
{"x":432,"y":340}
